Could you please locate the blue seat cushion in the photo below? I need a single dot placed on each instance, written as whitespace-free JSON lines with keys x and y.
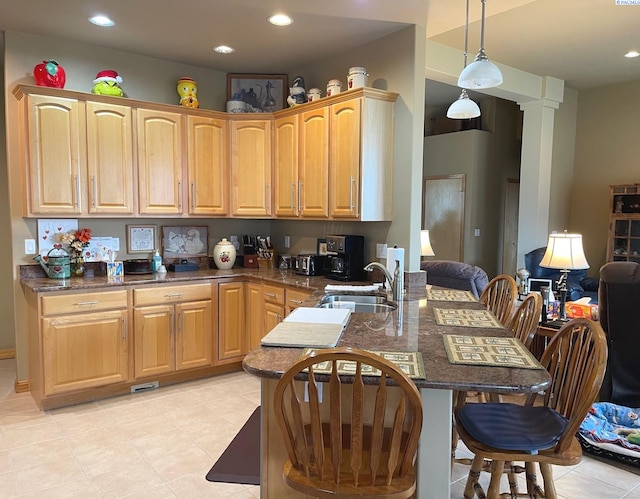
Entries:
{"x":513,"y":427}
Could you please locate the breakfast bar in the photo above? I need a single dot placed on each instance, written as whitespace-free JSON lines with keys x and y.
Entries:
{"x":412,"y":327}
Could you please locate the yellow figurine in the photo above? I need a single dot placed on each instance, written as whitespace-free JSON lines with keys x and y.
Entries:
{"x":187,"y":89}
{"x":107,"y":82}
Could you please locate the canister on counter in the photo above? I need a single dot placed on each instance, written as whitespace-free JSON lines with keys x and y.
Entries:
{"x":314,"y":94}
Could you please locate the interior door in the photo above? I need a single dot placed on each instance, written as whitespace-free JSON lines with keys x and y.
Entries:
{"x":443,"y":215}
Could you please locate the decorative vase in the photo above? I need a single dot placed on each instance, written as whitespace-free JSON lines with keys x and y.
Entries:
{"x":224,"y":254}
{"x":77,"y":267}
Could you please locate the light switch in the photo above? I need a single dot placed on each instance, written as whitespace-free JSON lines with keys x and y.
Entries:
{"x":476,"y":232}
{"x":287,"y":242}
{"x":29,"y":246}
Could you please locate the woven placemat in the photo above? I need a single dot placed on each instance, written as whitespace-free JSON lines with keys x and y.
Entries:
{"x":449,"y":295}
{"x":488,"y":351}
{"x":465,"y":317}
{"x":410,"y":363}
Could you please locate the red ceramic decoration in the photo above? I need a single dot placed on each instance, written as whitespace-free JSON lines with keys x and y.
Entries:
{"x":49,"y":74}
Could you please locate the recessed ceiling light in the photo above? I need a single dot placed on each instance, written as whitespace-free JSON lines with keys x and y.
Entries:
{"x":223,"y":49}
{"x":280,"y":20}
{"x":102,"y":21}
{"x":632,"y":53}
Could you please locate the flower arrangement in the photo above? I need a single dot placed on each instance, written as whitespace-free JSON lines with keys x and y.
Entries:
{"x":77,"y":240}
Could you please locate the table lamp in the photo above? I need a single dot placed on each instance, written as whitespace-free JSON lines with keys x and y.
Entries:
{"x":425,"y":244}
{"x":565,"y":253}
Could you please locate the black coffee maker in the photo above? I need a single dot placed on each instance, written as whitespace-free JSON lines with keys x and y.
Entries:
{"x":346,"y":258}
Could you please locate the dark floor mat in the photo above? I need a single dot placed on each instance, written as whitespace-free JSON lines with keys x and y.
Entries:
{"x":240,"y":462}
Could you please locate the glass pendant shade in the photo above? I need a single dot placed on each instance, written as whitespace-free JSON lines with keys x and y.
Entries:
{"x":481,"y":73}
{"x":463,"y":108}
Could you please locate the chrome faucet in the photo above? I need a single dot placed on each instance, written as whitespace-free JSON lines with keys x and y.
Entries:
{"x":394,"y":288}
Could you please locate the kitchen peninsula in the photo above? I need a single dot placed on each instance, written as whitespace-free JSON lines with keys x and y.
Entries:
{"x":412,"y":327}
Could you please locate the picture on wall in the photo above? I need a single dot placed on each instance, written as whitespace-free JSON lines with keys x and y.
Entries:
{"x":182,"y":242}
{"x":261,"y":92}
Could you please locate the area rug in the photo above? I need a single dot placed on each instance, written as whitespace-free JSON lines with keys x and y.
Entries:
{"x":240,"y":462}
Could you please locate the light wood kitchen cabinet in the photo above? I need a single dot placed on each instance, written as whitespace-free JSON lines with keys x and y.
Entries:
{"x":273,"y":298}
{"x":287,"y":202}
{"x":294,"y":298}
{"x":83,"y":341}
{"x":207,"y":169}
{"x":54,"y":152}
{"x":361,"y":157}
{"x":110,"y":162}
{"x":159,"y":136}
{"x":173,"y":328}
{"x":302,"y":164}
{"x":251,"y":165}
{"x":254,"y":314}
{"x":232,"y":335}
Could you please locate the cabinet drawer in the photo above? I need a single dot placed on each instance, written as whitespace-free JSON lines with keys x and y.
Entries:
{"x":83,"y":302}
{"x":171,"y":294}
{"x":273,"y":294}
{"x":295,"y":297}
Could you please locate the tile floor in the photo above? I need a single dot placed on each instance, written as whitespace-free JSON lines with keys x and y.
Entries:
{"x":161,"y":444}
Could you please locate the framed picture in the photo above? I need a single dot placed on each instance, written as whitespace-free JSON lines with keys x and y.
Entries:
{"x":180,"y":242}
{"x":141,"y":238}
{"x":536,"y":284}
{"x":322,"y":247}
{"x":264,"y":92}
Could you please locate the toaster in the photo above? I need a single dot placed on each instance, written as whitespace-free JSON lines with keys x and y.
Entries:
{"x":311,"y":264}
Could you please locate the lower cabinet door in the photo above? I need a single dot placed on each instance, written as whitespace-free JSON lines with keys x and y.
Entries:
{"x":85,"y":351}
{"x":194,"y":334}
{"x":232,"y":335}
{"x":154,"y":343}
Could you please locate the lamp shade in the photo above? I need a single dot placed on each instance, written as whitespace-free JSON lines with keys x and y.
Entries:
{"x":564,"y":252}
{"x":481,"y":73}
{"x":463,"y":108}
{"x":425,"y":244}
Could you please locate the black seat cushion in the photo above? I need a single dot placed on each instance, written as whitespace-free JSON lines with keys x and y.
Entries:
{"x":513,"y":427}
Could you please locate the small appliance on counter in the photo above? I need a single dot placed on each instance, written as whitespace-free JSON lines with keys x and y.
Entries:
{"x":138,"y":266}
{"x":311,"y":265}
{"x":346,"y":258}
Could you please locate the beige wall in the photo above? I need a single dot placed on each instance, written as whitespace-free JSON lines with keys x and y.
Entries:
{"x":606,"y":153}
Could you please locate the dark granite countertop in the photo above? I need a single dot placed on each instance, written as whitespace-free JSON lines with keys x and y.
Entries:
{"x":412,"y":328}
{"x":34,"y":279}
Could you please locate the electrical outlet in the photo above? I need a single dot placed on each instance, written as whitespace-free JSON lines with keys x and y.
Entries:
{"x":381,"y":251}
{"x":287,"y":242}
{"x":29,"y":246}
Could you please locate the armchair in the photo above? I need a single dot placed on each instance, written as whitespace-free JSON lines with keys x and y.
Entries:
{"x":620,"y":316}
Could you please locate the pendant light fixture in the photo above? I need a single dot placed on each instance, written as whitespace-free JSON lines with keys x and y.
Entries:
{"x":464,"y":107}
{"x":481,"y":73}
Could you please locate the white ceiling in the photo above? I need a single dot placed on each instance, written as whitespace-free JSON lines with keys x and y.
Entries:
{"x":579,"y":41}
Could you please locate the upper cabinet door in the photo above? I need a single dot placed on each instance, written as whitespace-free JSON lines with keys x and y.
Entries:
{"x":286,"y":197}
{"x":159,"y":138}
{"x":55,"y":155}
{"x":109,"y":159}
{"x":345,"y":159}
{"x":314,"y":163}
{"x":208,"y":179}
{"x":251,"y":168}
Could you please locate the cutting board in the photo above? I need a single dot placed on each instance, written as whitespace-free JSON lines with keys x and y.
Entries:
{"x":309,"y":327}
{"x":319,"y":315}
{"x":303,"y":334}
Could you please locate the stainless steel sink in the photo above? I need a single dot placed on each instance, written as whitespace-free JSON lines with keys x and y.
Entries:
{"x":366,"y":304}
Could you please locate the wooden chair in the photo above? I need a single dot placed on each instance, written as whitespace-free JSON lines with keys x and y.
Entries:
{"x":538,"y":433}
{"x":500,"y":297}
{"x":524,"y":322}
{"x":359,"y":446}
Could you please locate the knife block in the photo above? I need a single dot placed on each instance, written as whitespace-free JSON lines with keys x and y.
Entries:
{"x":267,"y":263}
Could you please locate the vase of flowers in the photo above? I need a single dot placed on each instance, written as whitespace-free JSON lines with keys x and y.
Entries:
{"x":77,"y":240}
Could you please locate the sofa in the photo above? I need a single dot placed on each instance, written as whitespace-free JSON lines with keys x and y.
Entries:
{"x":455,"y":275}
{"x":579,"y":285}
